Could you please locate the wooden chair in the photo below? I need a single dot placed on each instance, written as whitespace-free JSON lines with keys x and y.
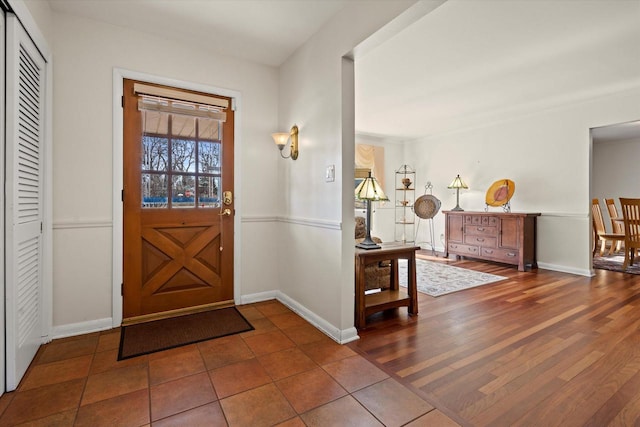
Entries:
{"x":617,"y":225}
{"x":601,"y":232}
{"x":631,"y":217}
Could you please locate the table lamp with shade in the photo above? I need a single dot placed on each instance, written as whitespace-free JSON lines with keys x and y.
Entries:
{"x":370,"y":191}
{"x":458,"y":183}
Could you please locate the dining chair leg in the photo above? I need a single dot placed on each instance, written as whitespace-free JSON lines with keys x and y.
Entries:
{"x":603,"y":247}
{"x":626,"y":258}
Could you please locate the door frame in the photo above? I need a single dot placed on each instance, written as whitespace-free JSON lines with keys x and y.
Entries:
{"x":119,"y":75}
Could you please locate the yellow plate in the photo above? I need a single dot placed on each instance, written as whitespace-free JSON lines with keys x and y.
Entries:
{"x":500,"y":192}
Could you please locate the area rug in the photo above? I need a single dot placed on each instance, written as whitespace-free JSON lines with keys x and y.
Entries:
{"x":436,"y":279}
{"x":149,"y":337}
{"x":614,"y":263}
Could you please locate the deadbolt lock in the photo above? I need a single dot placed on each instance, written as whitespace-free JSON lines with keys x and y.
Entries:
{"x":227,"y":198}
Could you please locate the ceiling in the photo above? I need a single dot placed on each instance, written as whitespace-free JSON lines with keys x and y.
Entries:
{"x":263,"y":31}
{"x":465,"y":64}
{"x":469,"y":63}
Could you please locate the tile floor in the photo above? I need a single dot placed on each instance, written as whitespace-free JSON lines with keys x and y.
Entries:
{"x":285,"y":372}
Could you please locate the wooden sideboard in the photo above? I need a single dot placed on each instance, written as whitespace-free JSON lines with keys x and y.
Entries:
{"x":495,"y":236}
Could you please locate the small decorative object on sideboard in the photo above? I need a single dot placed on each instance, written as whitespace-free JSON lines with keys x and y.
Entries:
{"x":406,"y":182}
{"x":499,"y":194}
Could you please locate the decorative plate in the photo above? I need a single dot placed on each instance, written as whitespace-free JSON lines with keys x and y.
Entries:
{"x":426,"y":206}
{"x":500,"y":192}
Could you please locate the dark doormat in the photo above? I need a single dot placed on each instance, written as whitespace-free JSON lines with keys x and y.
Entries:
{"x":614,"y":263}
{"x":149,"y":337}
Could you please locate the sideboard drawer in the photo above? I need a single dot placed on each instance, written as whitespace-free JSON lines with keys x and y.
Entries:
{"x":510,"y":256}
{"x":481,"y":220}
{"x":463,"y":249}
{"x":488,"y":242}
{"x":481,"y":230}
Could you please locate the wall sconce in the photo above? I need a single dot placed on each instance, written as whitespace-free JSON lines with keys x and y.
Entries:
{"x":458,"y":183}
{"x":281,"y":139}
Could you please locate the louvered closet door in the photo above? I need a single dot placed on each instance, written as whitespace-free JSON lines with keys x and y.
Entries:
{"x":24,"y":196}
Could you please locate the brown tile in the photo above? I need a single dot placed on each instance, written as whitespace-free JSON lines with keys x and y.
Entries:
{"x":285,"y":363}
{"x":174,"y":367}
{"x":268,"y":342}
{"x":304,"y":334}
{"x":433,"y":418}
{"x":344,"y":411}
{"x":293,"y":422}
{"x":260,"y":326}
{"x":354,"y":373}
{"x":287,"y":320}
{"x":56,"y":372}
{"x":206,"y":415}
{"x":310,"y":389}
{"x":5,"y":400}
{"x":109,"y":340}
{"x":392,"y":403}
{"x":172,"y":352}
{"x":180,"y":395}
{"x":106,"y":360}
{"x":115,"y":382}
{"x":238,"y":377}
{"x":224,"y":351}
{"x":42,"y":402}
{"x":61,"y":419}
{"x":326,"y":351}
{"x":68,"y":349}
{"x":250,"y":313}
{"x":262,"y":406}
{"x":270,"y":308}
{"x":130,"y":409}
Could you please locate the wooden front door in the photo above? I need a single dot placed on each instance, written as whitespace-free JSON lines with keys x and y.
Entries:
{"x":178,"y":201}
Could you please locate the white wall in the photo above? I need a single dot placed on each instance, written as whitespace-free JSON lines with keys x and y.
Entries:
{"x":317,"y":93}
{"x":86,"y":53}
{"x":615,"y":166}
{"x":547,"y":155}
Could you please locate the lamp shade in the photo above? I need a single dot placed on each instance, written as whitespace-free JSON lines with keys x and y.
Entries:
{"x":280,"y":138}
{"x":458,"y":183}
{"x":369,"y":189}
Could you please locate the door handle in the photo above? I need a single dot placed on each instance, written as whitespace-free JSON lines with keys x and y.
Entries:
{"x":225,"y":212}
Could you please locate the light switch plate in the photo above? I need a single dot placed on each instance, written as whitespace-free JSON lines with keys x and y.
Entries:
{"x":330,"y":173}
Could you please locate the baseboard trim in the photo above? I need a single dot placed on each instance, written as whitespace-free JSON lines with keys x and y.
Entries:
{"x":565,"y":269}
{"x":341,"y":336}
{"x":80,"y":328}
{"x":258,"y":297}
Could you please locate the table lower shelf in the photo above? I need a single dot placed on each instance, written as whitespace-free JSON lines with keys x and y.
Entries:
{"x":385,"y":300}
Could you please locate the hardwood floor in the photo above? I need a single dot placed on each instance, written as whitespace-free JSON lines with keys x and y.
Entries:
{"x":541,"y":348}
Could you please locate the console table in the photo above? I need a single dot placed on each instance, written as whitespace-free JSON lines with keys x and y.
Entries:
{"x":387,"y":298}
{"x":495,"y":236}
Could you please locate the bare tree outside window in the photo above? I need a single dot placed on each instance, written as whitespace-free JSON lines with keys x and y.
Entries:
{"x":181,"y":169}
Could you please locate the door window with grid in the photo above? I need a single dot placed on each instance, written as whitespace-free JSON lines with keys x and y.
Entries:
{"x":181,"y":155}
